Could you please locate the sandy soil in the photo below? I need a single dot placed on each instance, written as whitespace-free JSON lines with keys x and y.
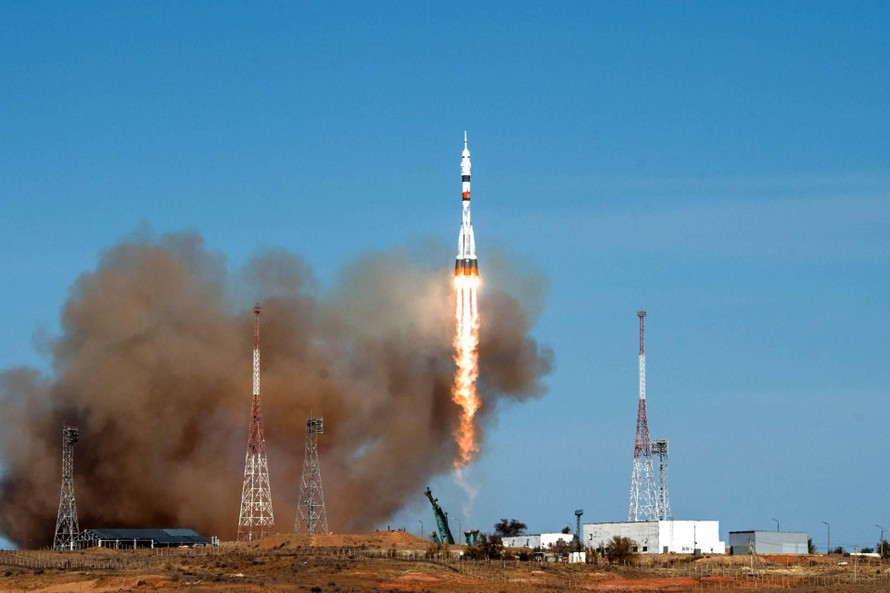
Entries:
{"x":397,"y":561}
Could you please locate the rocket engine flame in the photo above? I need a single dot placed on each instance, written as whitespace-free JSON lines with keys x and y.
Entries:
{"x":466,"y":356}
{"x":466,"y":331}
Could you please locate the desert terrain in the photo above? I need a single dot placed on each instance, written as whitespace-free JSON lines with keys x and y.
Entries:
{"x":398,"y":561}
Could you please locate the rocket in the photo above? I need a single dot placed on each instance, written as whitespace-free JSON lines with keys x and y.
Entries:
{"x":466,"y":264}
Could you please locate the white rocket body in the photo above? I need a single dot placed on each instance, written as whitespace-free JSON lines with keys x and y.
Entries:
{"x":466,"y":264}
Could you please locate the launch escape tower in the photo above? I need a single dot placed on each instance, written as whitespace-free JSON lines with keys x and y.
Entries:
{"x":643,"y":498}
{"x":67,"y":529}
{"x":256,"y":519}
{"x":660,"y":448}
{"x":311,"y":515}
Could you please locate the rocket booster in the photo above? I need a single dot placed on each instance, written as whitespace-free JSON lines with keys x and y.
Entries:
{"x":466,"y":264}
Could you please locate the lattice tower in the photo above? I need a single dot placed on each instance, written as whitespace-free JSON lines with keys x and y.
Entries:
{"x":67,"y":529}
{"x":256,"y":519}
{"x":311,"y":515}
{"x":660,"y":449}
{"x":643,"y":497}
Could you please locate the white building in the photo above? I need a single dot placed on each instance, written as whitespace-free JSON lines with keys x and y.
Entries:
{"x":541,"y":540}
{"x":659,"y":537}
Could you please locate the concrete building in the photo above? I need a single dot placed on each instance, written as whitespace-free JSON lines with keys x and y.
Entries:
{"x":659,"y":537}
{"x":539,"y":540}
{"x":768,"y":542}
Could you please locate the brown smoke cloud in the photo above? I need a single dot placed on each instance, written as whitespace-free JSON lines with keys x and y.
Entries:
{"x":154,"y":366}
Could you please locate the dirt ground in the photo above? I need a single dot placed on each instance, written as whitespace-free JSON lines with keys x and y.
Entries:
{"x":398,"y":562}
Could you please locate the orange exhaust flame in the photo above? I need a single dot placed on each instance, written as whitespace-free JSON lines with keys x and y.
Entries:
{"x":466,"y":356}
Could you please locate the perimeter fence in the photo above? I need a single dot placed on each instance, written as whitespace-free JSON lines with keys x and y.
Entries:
{"x":704,"y":575}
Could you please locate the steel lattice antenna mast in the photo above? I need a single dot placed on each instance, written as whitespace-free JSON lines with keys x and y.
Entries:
{"x":643,"y":499}
{"x":311,"y":515}
{"x":256,"y":519}
{"x":67,"y":529}
{"x":660,"y":448}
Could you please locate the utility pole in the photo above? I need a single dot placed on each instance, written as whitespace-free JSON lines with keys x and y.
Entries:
{"x":256,"y":519}
{"x":777,"y":523}
{"x":67,"y":529}
{"x":829,"y":535}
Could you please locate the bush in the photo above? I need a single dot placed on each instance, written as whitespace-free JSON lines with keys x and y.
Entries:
{"x":619,"y":549}
{"x":436,"y":550}
{"x":488,"y":547}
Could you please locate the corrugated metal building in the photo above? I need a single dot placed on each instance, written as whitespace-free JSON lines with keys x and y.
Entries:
{"x":659,"y":537}
{"x":141,"y":538}
{"x":768,"y":542}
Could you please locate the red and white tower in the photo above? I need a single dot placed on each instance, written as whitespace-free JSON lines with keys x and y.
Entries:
{"x":643,"y":493}
{"x":256,"y":518}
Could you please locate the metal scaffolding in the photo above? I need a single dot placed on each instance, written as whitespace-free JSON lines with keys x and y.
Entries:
{"x":311,"y":515}
{"x":256,"y":519}
{"x":67,"y":529}
{"x":643,"y":504}
{"x":660,"y":449}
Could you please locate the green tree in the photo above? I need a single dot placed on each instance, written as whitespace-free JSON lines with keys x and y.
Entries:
{"x":884,"y":549}
{"x":619,"y":549}
{"x":509,"y":528}
{"x":811,"y":547}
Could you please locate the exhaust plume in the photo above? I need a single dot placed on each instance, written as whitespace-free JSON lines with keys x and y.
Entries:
{"x":153,"y":364}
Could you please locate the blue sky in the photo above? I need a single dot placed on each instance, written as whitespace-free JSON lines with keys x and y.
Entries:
{"x":724,"y":165}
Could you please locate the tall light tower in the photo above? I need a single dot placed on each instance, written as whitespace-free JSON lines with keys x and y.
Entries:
{"x":256,"y":518}
{"x":660,"y":448}
{"x":643,"y":498}
{"x":578,"y":543}
{"x":311,"y":515}
{"x":67,"y":528}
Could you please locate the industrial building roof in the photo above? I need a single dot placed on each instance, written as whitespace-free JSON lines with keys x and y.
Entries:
{"x":164,"y":537}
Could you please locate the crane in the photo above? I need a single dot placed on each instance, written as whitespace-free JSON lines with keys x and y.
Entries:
{"x":441,"y":519}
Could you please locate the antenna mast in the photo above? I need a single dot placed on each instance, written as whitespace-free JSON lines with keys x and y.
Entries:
{"x":311,"y":514}
{"x":643,"y":504}
{"x":256,"y":519}
{"x":67,"y":529}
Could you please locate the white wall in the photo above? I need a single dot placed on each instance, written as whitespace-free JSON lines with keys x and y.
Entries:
{"x":643,"y":533}
{"x":550,"y":539}
{"x":682,"y":537}
{"x":651,"y":537}
{"x":543,"y":540}
{"x":523,"y":541}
